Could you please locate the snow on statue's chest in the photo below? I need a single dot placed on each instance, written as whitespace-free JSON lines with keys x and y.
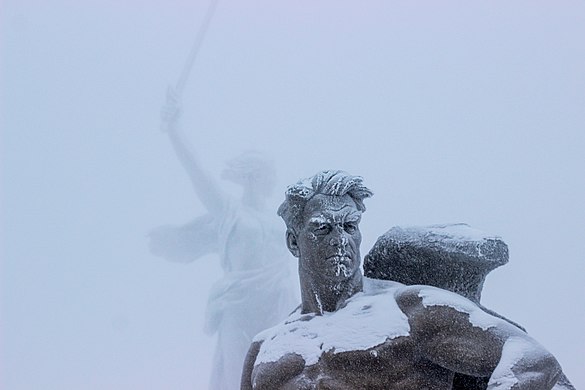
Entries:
{"x":368,"y":320}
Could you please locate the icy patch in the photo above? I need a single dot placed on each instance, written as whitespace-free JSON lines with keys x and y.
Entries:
{"x":460,"y":232}
{"x":368,"y":320}
{"x":318,"y":219}
{"x":446,"y":233}
{"x":514,"y":349}
{"x":341,"y":269}
{"x":432,"y":296}
{"x":341,"y":265}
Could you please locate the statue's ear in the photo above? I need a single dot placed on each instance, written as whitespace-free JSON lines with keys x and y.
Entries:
{"x":291,"y":243}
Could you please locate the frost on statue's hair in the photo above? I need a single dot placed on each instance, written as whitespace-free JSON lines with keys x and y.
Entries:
{"x":331,"y":182}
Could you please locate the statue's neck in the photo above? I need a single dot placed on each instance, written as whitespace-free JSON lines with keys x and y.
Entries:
{"x":319,"y":295}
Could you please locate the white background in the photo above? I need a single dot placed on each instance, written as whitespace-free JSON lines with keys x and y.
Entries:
{"x":453,"y":111}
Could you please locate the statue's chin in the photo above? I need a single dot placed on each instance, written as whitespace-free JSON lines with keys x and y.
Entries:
{"x":342,"y":267}
{"x":342,"y":270}
{"x":334,"y":272}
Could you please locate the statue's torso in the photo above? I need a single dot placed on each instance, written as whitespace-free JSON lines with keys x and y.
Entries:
{"x":365,"y":345}
{"x":394,"y":365}
{"x":253,"y":241}
{"x":257,"y":289}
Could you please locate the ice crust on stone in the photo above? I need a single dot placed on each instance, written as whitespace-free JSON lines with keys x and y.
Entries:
{"x":450,"y":237}
{"x":477,"y":317}
{"x":460,"y":231}
{"x":368,"y":320}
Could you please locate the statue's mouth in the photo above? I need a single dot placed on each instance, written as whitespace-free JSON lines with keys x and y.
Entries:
{"x":341,"y":264}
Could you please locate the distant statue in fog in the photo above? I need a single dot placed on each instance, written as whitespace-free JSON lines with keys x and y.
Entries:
{"x":257,"y":289}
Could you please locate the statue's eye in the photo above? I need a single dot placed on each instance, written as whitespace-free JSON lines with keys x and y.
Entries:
{"x":323,"y":229}
{"x":350,"y":227}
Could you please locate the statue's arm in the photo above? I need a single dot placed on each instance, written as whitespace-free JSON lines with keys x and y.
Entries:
{"x":523,"y":365}
{"x":206,"y":187}
{"x":246,"y":383}
{"x":477,"y":344}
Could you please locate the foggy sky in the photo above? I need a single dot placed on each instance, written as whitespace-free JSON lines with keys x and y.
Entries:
{"x":452,"y":111}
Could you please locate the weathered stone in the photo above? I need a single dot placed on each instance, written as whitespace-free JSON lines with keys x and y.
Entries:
{"x":453,"y":257}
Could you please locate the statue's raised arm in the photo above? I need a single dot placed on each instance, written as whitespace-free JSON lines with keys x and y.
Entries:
{"x":255,"y":291}
{"x":206,"y":187}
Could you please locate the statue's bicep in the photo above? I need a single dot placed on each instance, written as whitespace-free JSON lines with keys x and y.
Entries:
{"x":450,"y":339}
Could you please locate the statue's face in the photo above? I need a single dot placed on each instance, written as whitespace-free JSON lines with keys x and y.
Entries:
{"x":329,"y":239}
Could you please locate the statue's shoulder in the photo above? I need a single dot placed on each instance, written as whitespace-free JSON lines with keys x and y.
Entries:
{"x":436,"y":307}
{"x":427,"y":296}
{"x":294,"y":316}
{"x":417,"y":297}
{"x":405,"y":295}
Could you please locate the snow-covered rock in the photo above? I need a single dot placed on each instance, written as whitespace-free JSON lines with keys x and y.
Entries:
{"x":453,"y":257}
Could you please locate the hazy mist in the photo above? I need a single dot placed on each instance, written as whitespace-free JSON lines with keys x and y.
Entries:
{"x":452,"y":112}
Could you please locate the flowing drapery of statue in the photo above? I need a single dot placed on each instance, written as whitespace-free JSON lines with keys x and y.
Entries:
{"x":257,"y":289}
{"x":414,"y":323}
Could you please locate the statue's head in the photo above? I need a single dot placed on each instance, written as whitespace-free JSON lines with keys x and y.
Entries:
{"x":322,"y":215}
{"x":251,"y":169}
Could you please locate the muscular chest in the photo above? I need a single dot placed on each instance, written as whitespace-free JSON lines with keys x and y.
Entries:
{"x":337,"y":350}
{"x":365,"y":322}
{"x":393,"y":365}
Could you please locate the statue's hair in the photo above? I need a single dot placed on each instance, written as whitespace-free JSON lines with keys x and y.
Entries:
{"x":334,"y":183}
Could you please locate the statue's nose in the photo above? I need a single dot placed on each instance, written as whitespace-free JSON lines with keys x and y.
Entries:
{"x":338,"y":239}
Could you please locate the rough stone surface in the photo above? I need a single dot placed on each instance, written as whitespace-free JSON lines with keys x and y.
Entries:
{"x":453,"y":257}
